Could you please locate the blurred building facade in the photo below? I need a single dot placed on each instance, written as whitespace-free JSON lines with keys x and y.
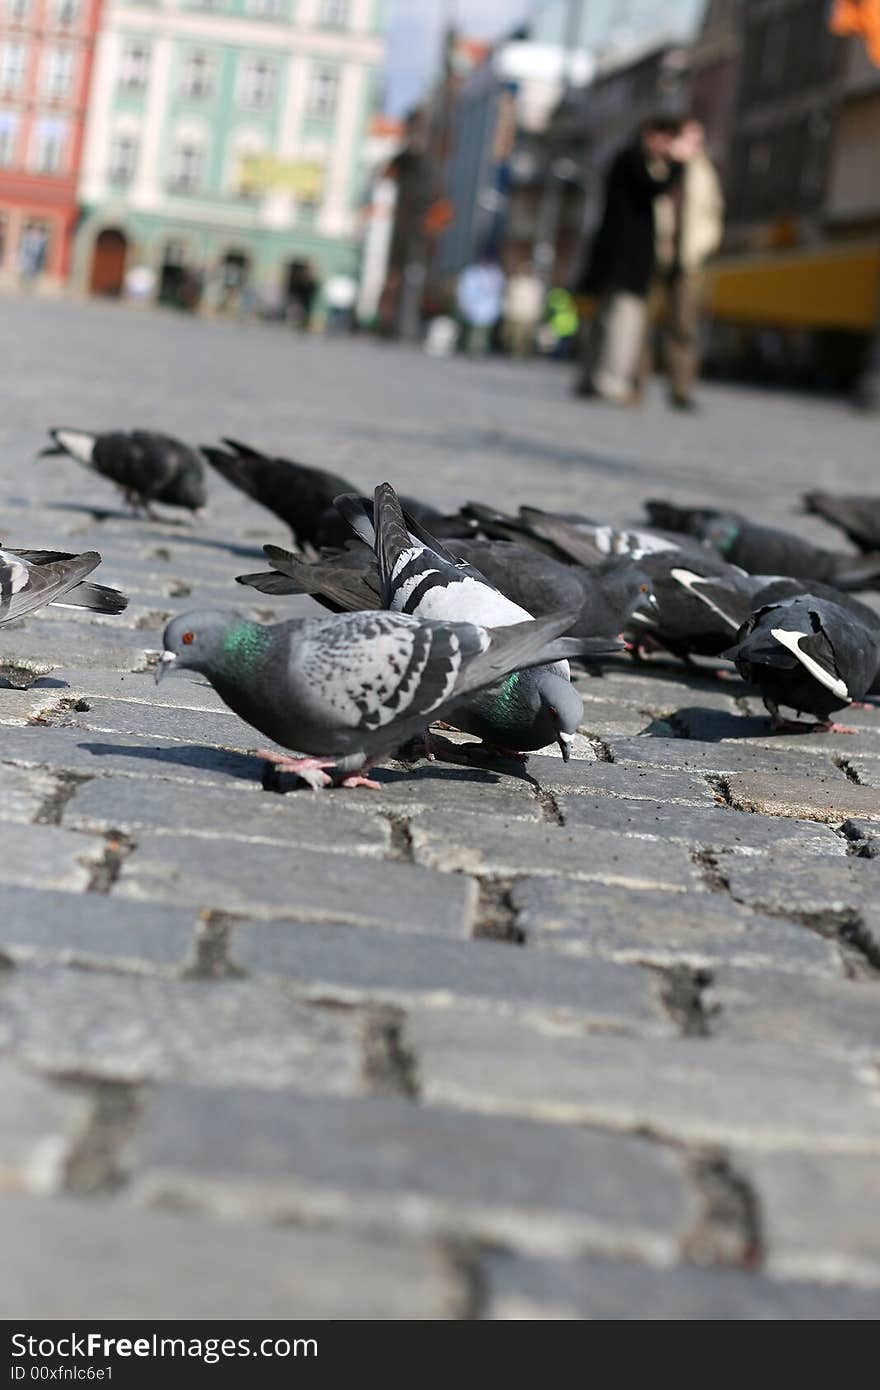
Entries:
{"x":226,"y":139}
{"x":46,"y":56}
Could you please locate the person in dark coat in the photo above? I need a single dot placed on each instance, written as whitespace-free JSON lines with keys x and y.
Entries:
{"x":621,"y":263}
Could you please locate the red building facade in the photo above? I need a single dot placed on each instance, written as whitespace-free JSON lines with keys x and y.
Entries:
{"x":46,"y":52}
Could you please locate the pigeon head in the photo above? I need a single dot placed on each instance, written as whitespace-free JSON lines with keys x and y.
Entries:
{"x":532,"y":709}
{"x":628,"y":587}
{"x":210,"y":640}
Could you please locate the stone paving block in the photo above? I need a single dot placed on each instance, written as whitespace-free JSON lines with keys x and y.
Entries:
{"x":505,"y":849}
{"x":699,"y":930}
{"x":75,"y":1259}
{"x":144,"y":1028}
{"x":137,"y":687}
{"x":828,"y":798}
{"x":777,"y":883}
{"x":298,"y":884}
{"x":820,"y":1214}
{"x":691,"y":755}
{"x":713,"y":828}
{"x":39,"y":1121}
{"x":613,"y":779}
{"x":246,"y":814}
{"x":839,"y":1016}
{"x":866,"y":769}
{"x":24,"y":792}
{"x":660,"y":693}
{"x":45,"y":856}
{"x":70,"y":749}
{"x":361,"y":965}
{"x":222,"y":729}
{"x":22,"y":706}
{"x":760,"y":1095}
{"x":605,"y":718}
{"x":611,"y":1290}
{"x":89,"y":927}
{"x":390,"y":1164}
{"x":74,"y":644}
{"x":430,"y":787}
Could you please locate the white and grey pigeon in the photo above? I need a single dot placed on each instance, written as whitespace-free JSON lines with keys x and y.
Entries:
{"x":418,"y":575}
{"x":148,"y":466}
{"x":810,"y":655}
{"x":30,"y":579}
{"x":345,"y":690}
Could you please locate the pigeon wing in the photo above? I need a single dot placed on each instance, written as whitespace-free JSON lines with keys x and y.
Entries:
{"x":24,"y":587}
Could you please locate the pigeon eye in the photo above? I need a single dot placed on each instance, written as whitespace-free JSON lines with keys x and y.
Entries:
{"x":643,"y":588}
{"x":187,"y":638}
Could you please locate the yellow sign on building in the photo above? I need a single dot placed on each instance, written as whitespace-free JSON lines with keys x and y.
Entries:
{"x":267,"y":173}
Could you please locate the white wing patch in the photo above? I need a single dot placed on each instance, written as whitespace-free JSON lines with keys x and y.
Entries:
{"x":690,"y":581}
{"x":792,"y":640}
{"x":77,"y":443}
{"x":15,"y":572}
{"x":454,"y":598}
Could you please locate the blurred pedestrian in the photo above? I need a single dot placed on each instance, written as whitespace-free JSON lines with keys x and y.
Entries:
{"x":561,"y":322}
{"x":302,"y":286}
{"x":523,"y":309}
{"x":621,"y":263}
{"x":340,"y":293}
{"x":480,"y":297}
{"x":689,"y":224}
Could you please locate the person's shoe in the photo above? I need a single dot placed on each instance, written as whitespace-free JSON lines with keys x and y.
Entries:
{"x":684,"y":403}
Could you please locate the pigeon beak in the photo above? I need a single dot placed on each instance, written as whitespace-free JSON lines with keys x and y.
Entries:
{"x":165,"y":662}
{"x":565,"y":741}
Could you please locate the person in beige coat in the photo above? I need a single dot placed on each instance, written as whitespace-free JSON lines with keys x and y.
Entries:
{"x":688,"y":224}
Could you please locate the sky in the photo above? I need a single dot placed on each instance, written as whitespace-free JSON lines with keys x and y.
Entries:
{"x":415,"y":27}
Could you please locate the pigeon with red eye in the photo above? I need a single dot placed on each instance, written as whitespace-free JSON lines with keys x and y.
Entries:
{"x":344,"y":691}
{"x":809,"y":655}
{"x":31,"y":579}
{"x":147,"y":466}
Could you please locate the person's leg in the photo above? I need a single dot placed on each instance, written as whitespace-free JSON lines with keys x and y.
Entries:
{"x":683,"y":321}
{"x":622,"y":341}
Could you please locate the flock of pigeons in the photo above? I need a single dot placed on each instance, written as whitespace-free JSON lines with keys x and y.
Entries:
{"x":472,"y":618}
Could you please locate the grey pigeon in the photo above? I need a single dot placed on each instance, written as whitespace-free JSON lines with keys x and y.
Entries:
{"x":347,"y":690}
{"x":810,"y":655}
{"x":421,"y":576}
{"x":30,"y":579}
{"x":147,"y":466}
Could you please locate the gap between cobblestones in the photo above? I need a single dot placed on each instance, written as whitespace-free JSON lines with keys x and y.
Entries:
{"x":389,"y":1063}
{"x":843,"y":763}
{"x":211,"y":959}
{"x":728,"y":1231}
{"x":106,"y":870}
{"x":93,"y":1165}
{"x":684,"y":995}
{"x":67,"y":784}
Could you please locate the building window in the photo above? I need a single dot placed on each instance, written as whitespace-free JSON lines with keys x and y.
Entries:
{"x":323,"y":93}
{"x":134,"y":68}
{"x":8,"y":138}
{"x":198,"y":75}
{"x":12,"y":59}
{"x":66,"y":12}
{"x":187,"y":167}
{"x":19,"y":10}
{"x":49,"y":144}
{"x":123,"y":158}
{"x":256,"y":87}
{"x":58,"y":73}
{"x":333,"y":14}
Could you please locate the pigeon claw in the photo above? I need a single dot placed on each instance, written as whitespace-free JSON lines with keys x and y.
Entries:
{"x":357,"y":779}
{"x":310,"y":770}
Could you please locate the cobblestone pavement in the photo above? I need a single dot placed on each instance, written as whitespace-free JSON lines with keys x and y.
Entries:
{"x":595,"y":1040}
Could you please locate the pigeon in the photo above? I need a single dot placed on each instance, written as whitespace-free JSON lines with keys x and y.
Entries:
{"x":809,"y":654}
{"x":419,"y":575}
{"x":573,"y":538}
{"x":147,"y":466}
{"x":767,"y":549}
{"x":700,"y":604}
{"x":858,"y":517}
{"x":297,"y":494}
{"x":302,"y":496}
{"x":347,"y":689}
{"x":30,"y":579}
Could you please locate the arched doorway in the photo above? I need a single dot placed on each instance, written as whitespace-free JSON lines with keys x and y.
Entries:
{"x":108,"y":262}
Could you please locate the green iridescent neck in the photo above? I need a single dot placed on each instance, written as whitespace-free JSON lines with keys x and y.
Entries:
{"x":506,"y":699}
{"x":244,"y":645}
